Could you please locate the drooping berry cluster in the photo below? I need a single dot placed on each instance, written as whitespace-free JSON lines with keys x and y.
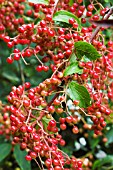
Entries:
{"x":32,"y":126}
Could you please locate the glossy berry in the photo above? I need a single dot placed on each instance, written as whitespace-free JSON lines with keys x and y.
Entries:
{"x":52,"y":123}
{"x":28,"y":158}
{"x":9,"y":60}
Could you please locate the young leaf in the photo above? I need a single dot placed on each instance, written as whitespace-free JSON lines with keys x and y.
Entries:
{"x":27,"y":19}
{"x":46,"y":2}
{"x":64,"y":16}
{"x":72,"y":58}
{"x":5,"y":149}
{"x":73,"y":68}
{"x":80,"y":93}
{"x":85,"y":59}
{"x":83,"y":48}
{"x":45,"y":122}
{"x":20,"y":158}
{"x":71,"y":2}
{"x":37,"y":21}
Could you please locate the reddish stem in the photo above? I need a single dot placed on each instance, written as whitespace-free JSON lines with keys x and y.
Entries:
{"x":98,"y":28}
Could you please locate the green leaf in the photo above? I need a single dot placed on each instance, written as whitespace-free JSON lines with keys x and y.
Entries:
{"x":71,"y":2}
{"x":93,"y":141}
{"x":85,"y":59}
{"x":83,"y":48}
{"x":72,"y":58}
{"x":99,"y":163}
{"x":109,"y":136}
{"x":45,"y":121}
{"x":73,"y":68}
{"x":68,"y":150}
{"x":27,"y":19}
{"x":80,"y":93}
{"x":109,"y":1}
{"x":10,"y":76}
{"x":20,"y":158}
{"x":46,"y":2}
{"x":2,"y":138}
{"x":37,"y":21}
{"x":64,"y":16}
{"x":5,"y":149}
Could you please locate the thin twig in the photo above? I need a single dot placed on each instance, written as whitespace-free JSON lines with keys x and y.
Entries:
{"x":55,"y":5}
{"x":34,"y":108}
{"x":41,"y":161}
{"x":58,"y":67}
{"x":86,"y":113}
{"x":38,"y":164}
{"x":37,"y":56}
{"x":28,"y":117}
{"x":24,"y":60}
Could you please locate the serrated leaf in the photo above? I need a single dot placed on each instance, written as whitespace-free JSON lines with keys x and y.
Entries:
{"x":85,"y":49}
{"x":99,"y":163}
{"x":20,"y":158}
{"x":64,"y":16}
{"x":5,"y":149}
{"x":73,"y":68}
{"x":80,"y":93}
{"x":46,"y":2}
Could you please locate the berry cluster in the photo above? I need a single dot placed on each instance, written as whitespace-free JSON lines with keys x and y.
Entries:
{"x":9,"y":22}
{"x":30,"y":113}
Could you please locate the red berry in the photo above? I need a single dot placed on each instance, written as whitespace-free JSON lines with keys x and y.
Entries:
{"x":9,"y":60}
{"x":62,"y":142}
{"x":71,"y":21}
{"x":63,"y":126}
{"x":69,"y":119}
{"x":28,"y":158}
{"x":52,"y":123}
{"x":27,"y":85}
{"x":33,"y":155}
{"x":90,"y":7}
{"x":16,"y":57}
{"x":39,"y":68}
{"x":6,"y":38}
{"x":75,"y":130}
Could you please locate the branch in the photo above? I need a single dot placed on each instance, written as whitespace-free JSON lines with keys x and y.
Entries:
{"x":98,"y":28}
